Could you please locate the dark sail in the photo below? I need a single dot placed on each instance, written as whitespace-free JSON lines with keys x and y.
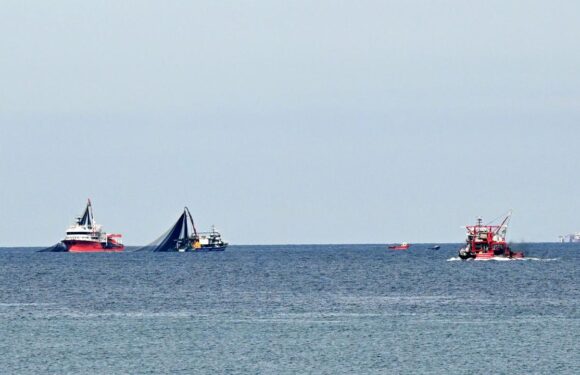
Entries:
{"x":184,"y":226}
{"x":170,"y":241}
{"x":87,"y":218}
{"x":58,"y":248}
{"x":176,"y":237}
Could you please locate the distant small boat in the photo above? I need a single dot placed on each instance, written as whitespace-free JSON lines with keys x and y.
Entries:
{"x":436,"y":247}
{"x":401,"y":246}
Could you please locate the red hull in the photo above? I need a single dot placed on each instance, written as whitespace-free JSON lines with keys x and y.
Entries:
{"x":403,"y":247}
{"x":92,"y":247}
{"x":491,"y":255}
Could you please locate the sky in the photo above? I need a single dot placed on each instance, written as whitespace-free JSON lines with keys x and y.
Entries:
{"x":290,"y":122}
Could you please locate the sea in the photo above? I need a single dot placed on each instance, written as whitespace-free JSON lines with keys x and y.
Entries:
{"x":297,"y":309}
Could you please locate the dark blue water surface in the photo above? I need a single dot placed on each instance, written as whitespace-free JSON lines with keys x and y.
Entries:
{"x":348,"y":309}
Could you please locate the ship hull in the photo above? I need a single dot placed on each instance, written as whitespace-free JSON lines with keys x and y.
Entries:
{"x":483,"y":256}
{"x":92,"y":247}
{"x":202,"y":249}
{"x":212,"y":248}
{"x":490,"y":255}
{"x":404,"y":247}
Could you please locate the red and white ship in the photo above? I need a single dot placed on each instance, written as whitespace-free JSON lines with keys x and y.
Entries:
{"x":86,"y":236}
{"x":488,"y":242}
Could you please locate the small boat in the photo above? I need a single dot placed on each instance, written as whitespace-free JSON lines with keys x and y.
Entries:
{"x":401,"y":246}
{"x":436,"y":247}
{"x":488,"y":242}
{"x":86,"y":236}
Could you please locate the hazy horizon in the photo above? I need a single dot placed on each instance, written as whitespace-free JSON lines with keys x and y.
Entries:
{"x":319,"y":123}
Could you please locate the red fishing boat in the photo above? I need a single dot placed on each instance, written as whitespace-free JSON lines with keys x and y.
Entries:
{"x":488,"y":242}
{"x":401,"y":246}
{"x":86,"y":236}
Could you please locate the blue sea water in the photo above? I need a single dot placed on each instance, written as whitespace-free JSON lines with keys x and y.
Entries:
{"x":347,"y":309}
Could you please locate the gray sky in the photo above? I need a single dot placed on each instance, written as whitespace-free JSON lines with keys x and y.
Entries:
{"x":290,"y":122}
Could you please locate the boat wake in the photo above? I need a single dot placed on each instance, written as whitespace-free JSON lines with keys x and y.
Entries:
{"x":541,"y":259}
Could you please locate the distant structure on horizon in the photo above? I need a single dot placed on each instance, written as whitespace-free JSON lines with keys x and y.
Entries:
{"x":574,"y":237}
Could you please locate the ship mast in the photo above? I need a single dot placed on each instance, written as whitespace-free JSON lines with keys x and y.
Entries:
{"x":191,"y":221}
{"x":504,"y":222}
{"x":87,"y":218}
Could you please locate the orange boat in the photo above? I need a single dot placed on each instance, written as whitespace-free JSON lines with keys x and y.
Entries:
{"x":86,"y":236}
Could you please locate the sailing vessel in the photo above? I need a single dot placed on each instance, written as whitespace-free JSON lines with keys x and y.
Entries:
{"x":184,"y":237}
{"x":86,"y":236}
{"x":488,"y":241}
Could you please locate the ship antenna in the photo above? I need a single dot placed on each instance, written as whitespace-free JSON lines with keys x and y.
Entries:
{"x":504,"y":222}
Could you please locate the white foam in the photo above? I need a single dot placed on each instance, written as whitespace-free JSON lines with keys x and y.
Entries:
{"x":542,"y":259}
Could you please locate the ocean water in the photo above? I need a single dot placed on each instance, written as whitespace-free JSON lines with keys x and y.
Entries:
{"x":348,"y":309}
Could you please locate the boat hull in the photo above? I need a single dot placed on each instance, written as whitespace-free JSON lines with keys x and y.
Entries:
{"x":92,"y":247}
{"x":202,"y":249}
{"x":399,"y":247}
{"x":490,"y":255}
{"x":212,"y":248}
{"x":501,"y":256}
